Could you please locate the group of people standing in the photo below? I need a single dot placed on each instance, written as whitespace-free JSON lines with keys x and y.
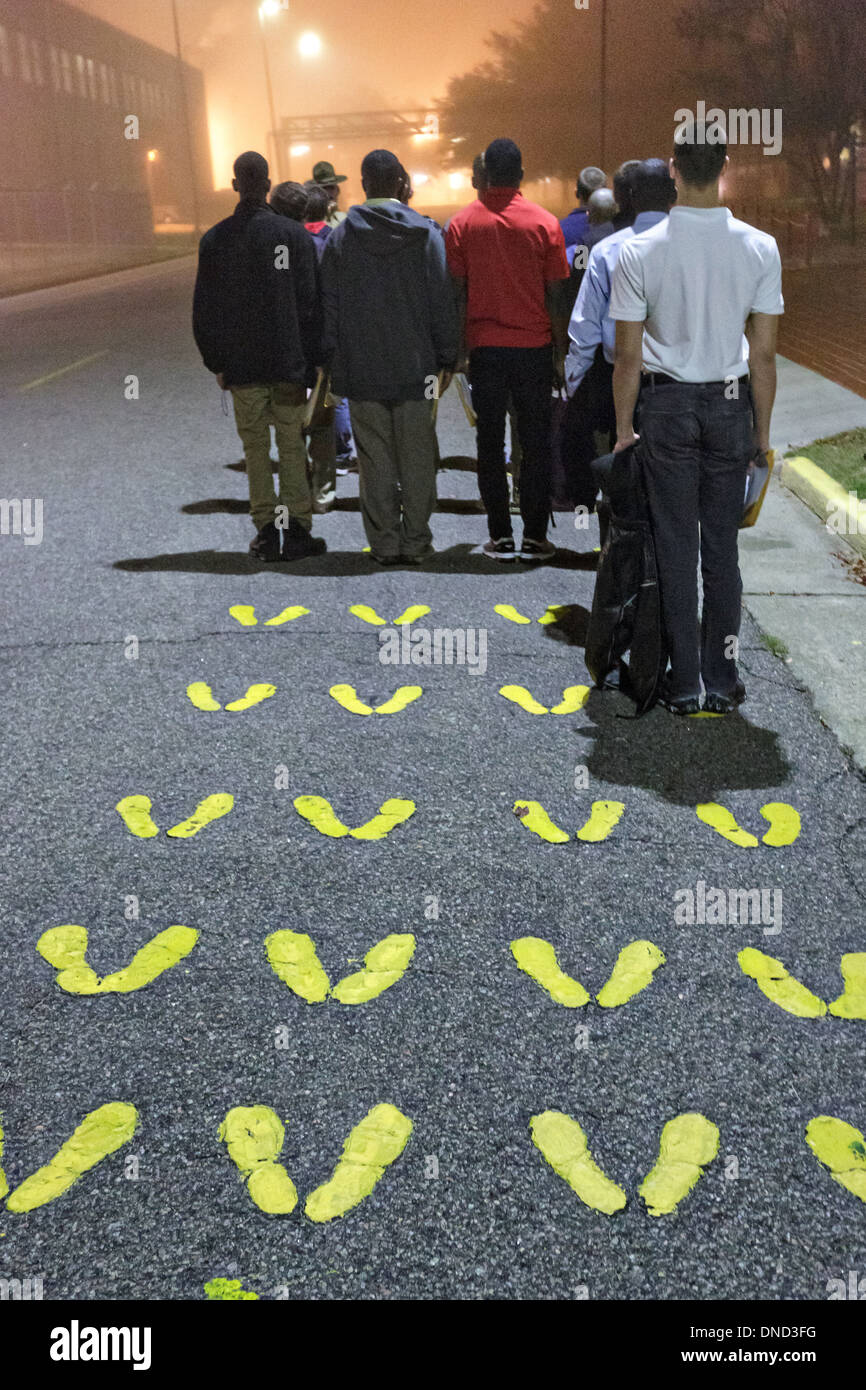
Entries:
{"x":650,"y":305}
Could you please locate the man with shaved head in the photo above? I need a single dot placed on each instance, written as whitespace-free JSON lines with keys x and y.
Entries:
{"x":256,"y":321}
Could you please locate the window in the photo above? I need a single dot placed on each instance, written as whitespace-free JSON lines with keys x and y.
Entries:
{"x":24,"y":58}
{"x":81,"y":73}
{"x":91,"y":79}
{"x":5,"y":55}
{"x":66,"y":70}
{"x":54,"y":60}
{"x":103,"y":82}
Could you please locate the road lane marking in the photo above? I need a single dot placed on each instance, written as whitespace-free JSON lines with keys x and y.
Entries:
{"x":842,"y":1149}
{"x":65,"y":948}
{"x":320,"y":814}
{"x":347,"y":696}
{"x":100,"y":1133}
{"x":62,"y":371}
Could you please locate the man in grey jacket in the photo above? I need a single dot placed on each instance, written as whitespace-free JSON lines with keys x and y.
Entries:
{"x":391,"y":341}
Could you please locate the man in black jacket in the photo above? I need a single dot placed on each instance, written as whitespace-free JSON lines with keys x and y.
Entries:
{"x":390,"y":330}
{"x":256,"y":320}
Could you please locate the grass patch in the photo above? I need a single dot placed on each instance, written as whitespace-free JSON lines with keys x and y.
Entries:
{"x":775,"y":645}
{"x":843,"y":456}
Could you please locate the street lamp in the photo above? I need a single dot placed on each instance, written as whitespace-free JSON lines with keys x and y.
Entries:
{"x":309,"y":45}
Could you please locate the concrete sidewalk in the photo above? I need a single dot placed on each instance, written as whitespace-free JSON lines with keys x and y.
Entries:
{"x":794,"y":582}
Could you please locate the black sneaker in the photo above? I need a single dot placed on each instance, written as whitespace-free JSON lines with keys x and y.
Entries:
{"x":679,"y":704}
{"x":299,"y":544}
{"x":725,"y":704}
{"x":536,"y":551}
{"x":266,"y":543}
{"x":500,"y":550}
{"x":385,"y":560}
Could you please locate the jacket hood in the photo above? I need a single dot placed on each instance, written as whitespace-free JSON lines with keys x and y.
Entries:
{"x":386,"y":229}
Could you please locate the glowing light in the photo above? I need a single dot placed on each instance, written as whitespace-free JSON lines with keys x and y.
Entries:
{"x":420,"y":178}
{"x":153,"y":156}
{"x":309,"y":45}
{"x":456,"y":180}
{"x":297,"y":150}
{"x":269,"y":9}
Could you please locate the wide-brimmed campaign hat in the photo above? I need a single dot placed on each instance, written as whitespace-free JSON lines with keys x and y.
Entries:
{"x":323,"y":172}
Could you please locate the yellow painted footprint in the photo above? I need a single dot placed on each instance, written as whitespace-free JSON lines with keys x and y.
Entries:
{"x":245,"y":614}
{"x":564,"y":1145}
{"x":842,"y":1149}
{"x":253,"y":1135}
{"x":292,"y":956}
{"x":574,"y":697}
{"x":66,"y":948}
{"x":369,"y":615}
{"x":633,"y":971}
{"x":604,"y":817}
{"x":227,"y":1290}
{"x":774,"y":981}
{"x":372,"y":1146}
{"x":551,"y":614}
{"x":784,"y":821}
{"x":100,"y":1133}
{"x":320,"y":813}
{"x":201,"y":696}
{"x":347,"y":696}
{"x":688,"y":1143}
{"x":135,"y":811}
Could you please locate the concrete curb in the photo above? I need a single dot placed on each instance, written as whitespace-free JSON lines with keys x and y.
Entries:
{"x":828,"y":500}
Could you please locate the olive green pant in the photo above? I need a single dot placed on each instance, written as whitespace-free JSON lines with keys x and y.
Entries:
{"x":397,"y":455}
{"x":281,"y":404}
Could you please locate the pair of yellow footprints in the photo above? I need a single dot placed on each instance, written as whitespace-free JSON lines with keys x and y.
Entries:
{"x":254,"y":1138}
{"x":785,"y":824}
{"x":245,"y":614}
{"x":202,"y":697}
{"x":774,"y":981}
{"x":688,"y":1144}
{"x":635,"y":966}
{"x":135,"y":811}
{"x":254,"y":1134}
{"x":291,"y":955}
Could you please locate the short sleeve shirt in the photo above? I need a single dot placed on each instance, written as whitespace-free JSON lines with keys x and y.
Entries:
{"x":508,"y":250}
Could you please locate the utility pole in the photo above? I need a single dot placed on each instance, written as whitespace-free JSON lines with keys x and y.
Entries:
{"x":184,"y":97}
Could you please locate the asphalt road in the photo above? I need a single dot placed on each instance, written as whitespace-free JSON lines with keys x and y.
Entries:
{"x":145,"y":537}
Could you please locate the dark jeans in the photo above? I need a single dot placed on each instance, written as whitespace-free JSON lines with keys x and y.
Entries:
{"x":590,"y":409}
{"x":526,"y":376}
{"x":696,"y":446}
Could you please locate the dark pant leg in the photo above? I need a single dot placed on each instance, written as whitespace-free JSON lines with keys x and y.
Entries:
{"x":488,"y":375}
{"x":590,"y":410}
{"x":726,"y":439}
{"x":531,"y":378}
{"x":670,"y":432}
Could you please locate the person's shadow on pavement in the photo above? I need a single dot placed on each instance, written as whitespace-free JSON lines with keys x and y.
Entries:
{"x":685,"y":761}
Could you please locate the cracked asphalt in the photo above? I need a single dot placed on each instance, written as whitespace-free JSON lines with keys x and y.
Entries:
{"x":145,"y":537}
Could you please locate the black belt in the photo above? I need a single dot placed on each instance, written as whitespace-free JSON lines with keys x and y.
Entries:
{"x":661,"y":379}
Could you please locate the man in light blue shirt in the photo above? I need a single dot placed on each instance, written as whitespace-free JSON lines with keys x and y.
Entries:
{"x":589,"y":363}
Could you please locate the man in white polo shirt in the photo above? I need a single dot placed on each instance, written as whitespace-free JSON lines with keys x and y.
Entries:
{"x":696,"y":301}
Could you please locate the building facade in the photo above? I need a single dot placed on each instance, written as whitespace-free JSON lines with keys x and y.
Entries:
{"x":94,"y":142}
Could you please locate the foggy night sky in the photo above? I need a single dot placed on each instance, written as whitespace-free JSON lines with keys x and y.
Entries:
{"x":377,"y":54}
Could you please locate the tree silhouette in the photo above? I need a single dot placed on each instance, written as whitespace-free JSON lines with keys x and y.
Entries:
{"x":806,"y":57}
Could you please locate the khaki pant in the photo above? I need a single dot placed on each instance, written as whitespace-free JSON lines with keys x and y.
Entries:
{"x":396,"y":444}
{"x":256,"y":409}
